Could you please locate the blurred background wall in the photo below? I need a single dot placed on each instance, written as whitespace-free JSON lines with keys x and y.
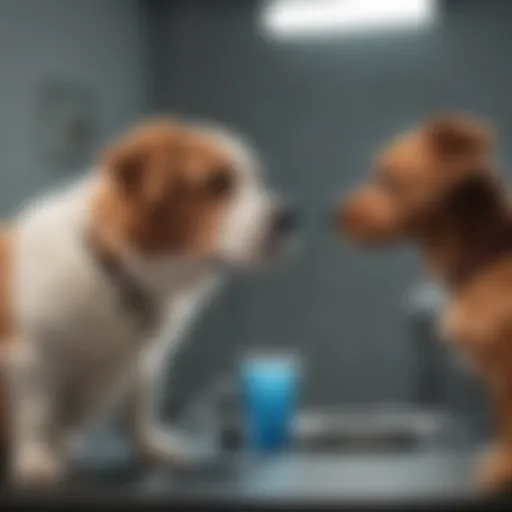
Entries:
{"x":99,"y":45}
{"x":317,"y":110}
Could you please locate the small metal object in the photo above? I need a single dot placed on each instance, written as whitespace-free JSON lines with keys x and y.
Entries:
{"x":228,"y":407}
{"x":231,"y":438}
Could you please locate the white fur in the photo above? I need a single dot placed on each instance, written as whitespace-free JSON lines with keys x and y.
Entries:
{"x":78,"y":352}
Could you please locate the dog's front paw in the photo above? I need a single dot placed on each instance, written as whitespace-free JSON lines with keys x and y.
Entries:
{"x":166,"y":448}
{"x":36,"y":467}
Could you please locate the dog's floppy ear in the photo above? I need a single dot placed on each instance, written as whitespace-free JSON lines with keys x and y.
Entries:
{"x":477,"y":201}
{"x":459,"y":135}
{"x":126,"y":164}
{"x":479,"y":193}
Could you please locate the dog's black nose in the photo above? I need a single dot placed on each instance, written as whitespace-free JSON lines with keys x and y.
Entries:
{"x":286,"y":221}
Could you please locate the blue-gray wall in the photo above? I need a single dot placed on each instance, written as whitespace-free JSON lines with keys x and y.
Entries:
{"x":318,"y":111}
{"x":98,"y":43}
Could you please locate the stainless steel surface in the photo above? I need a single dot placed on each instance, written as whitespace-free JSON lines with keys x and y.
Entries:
{"x":348,"y":454}
{"x":422,"y":475}
{"x":386,"y":428}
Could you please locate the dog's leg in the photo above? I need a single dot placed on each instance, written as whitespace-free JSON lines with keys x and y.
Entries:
{"x":154,"y":442}
{"x":36,"y":456}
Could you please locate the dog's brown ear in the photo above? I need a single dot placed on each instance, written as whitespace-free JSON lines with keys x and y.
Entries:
{"x":126,"y":164}
{"x":476,"y":203}
{"x":459,"y":135}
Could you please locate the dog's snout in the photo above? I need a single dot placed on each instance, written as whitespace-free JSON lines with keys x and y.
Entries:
{"x":286,"y":221}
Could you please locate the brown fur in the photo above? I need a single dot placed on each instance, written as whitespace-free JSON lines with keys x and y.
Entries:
{"x":6,"y":331}
{"x":6,"y":318}
{"x":437,"y":186}
{"x":165,"y":188}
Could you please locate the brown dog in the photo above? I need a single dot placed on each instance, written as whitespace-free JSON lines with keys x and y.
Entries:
{"x":437,"y":186}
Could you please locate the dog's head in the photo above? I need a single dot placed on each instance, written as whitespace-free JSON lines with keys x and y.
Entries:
{"x":175,"y":188}
{"x":443,"y":163}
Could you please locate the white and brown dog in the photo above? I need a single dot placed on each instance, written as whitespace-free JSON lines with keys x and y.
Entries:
{"x":98,"y":281}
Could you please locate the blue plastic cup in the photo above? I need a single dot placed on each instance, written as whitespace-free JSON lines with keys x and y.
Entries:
{"x":270,"y":390}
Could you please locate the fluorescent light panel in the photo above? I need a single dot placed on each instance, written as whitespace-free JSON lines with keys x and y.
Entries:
{"x":284,"y":18}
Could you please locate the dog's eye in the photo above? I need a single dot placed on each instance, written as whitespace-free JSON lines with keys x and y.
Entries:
{"x":220,"y":183}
